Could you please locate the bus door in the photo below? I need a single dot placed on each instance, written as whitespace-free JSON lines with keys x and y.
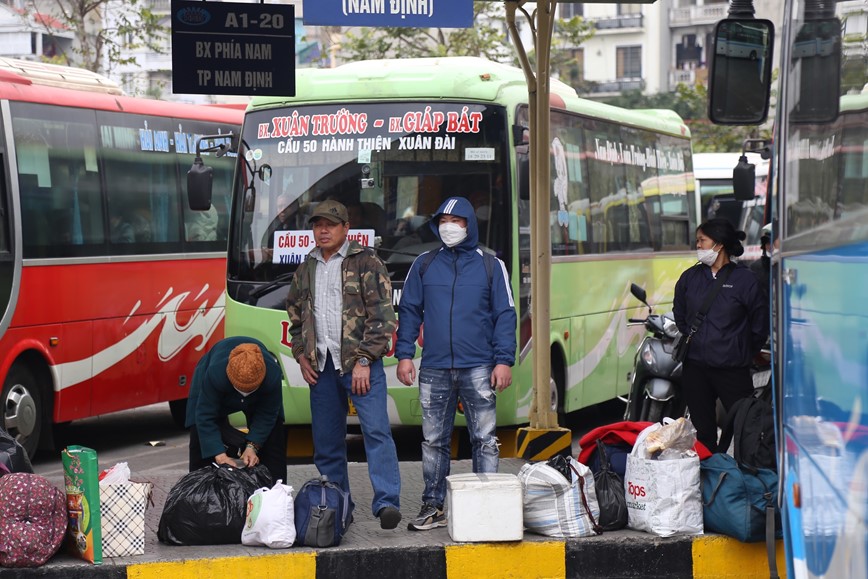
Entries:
{"x":7,"y":258}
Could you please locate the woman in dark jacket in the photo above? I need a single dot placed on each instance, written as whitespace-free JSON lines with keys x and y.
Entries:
{"x":733,"y":332}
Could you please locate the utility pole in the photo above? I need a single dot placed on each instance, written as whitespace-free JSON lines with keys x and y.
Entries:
{"x":541,"y":22}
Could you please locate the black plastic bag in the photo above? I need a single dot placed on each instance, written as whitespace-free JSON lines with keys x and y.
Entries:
{"x":13,"y":457}
{"x":561,"y":464}
{"x":209,"y":505}
{"x":610,"y":494}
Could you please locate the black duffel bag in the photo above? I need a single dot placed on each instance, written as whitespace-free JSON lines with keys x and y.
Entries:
{"x":209,"y":506}
{"x":13,"y":456}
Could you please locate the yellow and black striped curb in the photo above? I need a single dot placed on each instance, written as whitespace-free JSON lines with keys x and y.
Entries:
{"x":542,"y":443}
{"x":706,"y":557}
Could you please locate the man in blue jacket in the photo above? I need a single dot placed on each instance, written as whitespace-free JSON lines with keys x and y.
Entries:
{"x":463,"y":297}
{"x":237,"y":375}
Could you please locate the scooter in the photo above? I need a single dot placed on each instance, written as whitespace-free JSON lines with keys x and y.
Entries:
{"x":656,"y":377}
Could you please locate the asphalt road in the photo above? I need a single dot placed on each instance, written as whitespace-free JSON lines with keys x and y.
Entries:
{"x":148,"y":440}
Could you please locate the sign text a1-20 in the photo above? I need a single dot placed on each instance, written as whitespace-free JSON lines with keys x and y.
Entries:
{"x":232,"y":48}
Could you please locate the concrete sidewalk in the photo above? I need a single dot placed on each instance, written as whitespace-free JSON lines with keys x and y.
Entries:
{"x":368,"y":551}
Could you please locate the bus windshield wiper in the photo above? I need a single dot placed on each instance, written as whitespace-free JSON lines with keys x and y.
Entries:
{"x":263,"y":289}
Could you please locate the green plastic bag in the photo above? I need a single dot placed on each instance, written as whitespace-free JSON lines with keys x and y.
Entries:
{"x":81,"y":477}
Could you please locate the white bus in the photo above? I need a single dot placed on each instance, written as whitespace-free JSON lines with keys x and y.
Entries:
{"x":713,"y":175}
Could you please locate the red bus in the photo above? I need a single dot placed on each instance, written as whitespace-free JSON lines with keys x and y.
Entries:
{"x":110,"y":287}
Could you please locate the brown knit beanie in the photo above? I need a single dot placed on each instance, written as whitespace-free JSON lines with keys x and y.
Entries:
{"x":246,"y":368}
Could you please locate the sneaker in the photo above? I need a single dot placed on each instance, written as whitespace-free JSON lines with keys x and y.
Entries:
{"x":389,"y":517}
{"x":429,"y":517}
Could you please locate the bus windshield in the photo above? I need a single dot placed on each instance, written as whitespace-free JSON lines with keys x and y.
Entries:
{"x":391,"y":164}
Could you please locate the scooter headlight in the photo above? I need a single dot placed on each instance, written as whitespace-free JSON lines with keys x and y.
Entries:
{"x":648,"y":355}
{"x":669,"y":328}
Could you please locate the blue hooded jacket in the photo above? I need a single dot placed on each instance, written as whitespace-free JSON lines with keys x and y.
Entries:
{"x":470,"y":320}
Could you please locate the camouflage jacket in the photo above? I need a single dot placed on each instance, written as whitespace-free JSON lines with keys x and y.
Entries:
{"x":368,"y":317}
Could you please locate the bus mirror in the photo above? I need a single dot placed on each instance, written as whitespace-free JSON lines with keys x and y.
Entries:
{"x":250,"y":199}
{"x":816,"y":58}
{"x":639,"y":293}
{"x":199,"y":180}
{"x":741,"y":72}
{"x":743,"y":179}
{"x":520,"y":135}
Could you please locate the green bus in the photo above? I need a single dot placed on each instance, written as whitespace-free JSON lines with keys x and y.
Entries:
{"x":392,"y":139}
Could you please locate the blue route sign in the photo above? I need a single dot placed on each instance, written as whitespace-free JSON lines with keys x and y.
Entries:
{"x":390,"y":13}
{"x":233,"y":48}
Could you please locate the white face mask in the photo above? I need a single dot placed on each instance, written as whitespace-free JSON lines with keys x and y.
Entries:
{"x":452,"y":234}
{"x":707,"y":256}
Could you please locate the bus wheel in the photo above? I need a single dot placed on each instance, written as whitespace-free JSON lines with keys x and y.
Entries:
{"x":178,"y":408}
{"x":22,"y":408}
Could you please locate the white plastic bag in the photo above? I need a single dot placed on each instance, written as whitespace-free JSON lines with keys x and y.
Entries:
{"x":117,"y":475}
{"x":663,"y":496}
{"x":270,"y":518}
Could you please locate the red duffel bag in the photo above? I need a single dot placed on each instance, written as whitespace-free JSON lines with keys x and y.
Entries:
{"x":32,"y":520}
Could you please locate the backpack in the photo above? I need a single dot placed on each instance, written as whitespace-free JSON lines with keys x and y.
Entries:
{"x":487,"y":259}
{"x":323,"y":513}
{"x":741,"y":502}
{"x":751,"y":422}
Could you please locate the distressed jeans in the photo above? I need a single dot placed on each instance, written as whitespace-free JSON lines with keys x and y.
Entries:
{"x":439,"y":391}
{"x":328,"y":407}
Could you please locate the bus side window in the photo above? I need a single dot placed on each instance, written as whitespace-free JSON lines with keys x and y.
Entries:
{"x":34,"y":222}
{"x":90,"y":214}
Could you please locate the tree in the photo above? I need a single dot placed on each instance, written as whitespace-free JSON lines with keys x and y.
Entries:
{"x":691,"y":102}
{"x":107,"y":32}
{"x":486,"y":38}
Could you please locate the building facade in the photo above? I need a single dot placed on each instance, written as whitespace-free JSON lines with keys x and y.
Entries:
{"x":636,"y":46}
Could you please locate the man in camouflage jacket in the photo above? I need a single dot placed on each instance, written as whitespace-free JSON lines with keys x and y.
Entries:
{"x":341,"y":319}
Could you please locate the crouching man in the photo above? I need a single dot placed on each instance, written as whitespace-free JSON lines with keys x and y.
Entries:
{"x":237,"y":375}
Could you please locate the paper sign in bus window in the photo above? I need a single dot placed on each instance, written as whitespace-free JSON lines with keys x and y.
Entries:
{"x":292,"y":247}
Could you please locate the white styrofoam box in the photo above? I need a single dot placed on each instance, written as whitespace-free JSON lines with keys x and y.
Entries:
{"x":484,"y":507}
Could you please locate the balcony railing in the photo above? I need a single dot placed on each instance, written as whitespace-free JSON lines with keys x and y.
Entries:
{"x":161,"y":6}
{"x":616,"y":86}
{"x":617,"y":22}
{"x":692,"y":15}
{"x":690,"y":77}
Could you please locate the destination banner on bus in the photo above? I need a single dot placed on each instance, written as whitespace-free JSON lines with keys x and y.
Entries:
{"x":366,"y":129}
{"x":389,"y":13}
{"x":233,"y":49}
{"x":292,"y":247}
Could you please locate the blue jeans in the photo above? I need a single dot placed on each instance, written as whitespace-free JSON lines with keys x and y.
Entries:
{"x":439,"y":391}
{"x":328,"y":408}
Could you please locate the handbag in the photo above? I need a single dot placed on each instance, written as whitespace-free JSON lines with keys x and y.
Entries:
{"x":682,"y":343}
{"x":122,"y":513}
{"x":323,"y":513}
